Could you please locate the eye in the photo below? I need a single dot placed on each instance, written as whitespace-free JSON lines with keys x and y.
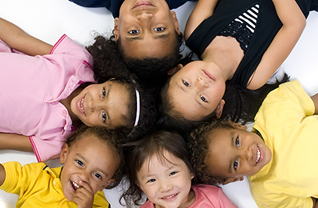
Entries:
{"x":97,"y":175}
{"x":237,"y":142}
{"x":235,"y":164}
{"x":159,"y":29}
{"x":173,"y":173}
{"x":80,"y":163}
{"x":203,"y":99}
{"x":104,"y":116}
{"x":151,"y":180}
{"x":103,"y":92}
{"x":186,"y":83}
{"x":133,"y":32}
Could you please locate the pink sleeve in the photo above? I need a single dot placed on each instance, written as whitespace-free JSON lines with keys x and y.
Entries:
{"x":224,"y":200}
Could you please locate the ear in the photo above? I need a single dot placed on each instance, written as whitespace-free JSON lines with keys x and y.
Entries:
{"x":106,"y":184}
{"x":175,"y":69}
{"x":140,"y":187}
{"x":64,"y":153}
{"x":219,"y":109}
{"x":116,"y":31}
{"x":175,"y":22}
{"x":230,"y":180}
{"x":192,"y":175}
{"x":238,"y":125}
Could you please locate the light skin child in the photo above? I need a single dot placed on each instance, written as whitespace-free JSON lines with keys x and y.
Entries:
{"x":166,"y":180}
{"x":89,"y":165}
{"x":204,"y":89}
{"x":146,"y":23}
{"x":103,"y":104}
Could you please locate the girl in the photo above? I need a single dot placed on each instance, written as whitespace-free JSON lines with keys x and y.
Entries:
{"x":147,"y":35}
{"x":43,"y":97}
{"x":92,"y":159}
{"x":159,"y":166}
{"x":241,"y":43}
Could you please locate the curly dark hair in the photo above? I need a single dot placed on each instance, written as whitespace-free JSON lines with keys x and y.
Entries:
{"x":152,"y":71}
{"x":114,"y":140}
{"x":108,"y":64}
{"x":241,"y":105}
{"x":198,"y":142}
{"x":139,"y":152}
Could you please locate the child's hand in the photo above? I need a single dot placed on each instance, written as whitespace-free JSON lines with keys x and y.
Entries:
{"x":84,"y":196}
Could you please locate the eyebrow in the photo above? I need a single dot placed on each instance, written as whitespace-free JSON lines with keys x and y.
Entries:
{"x":163,"y":36}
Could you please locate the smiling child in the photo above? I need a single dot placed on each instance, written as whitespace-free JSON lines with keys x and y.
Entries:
{"x":277,"y":156}
{"x":92,"y":161}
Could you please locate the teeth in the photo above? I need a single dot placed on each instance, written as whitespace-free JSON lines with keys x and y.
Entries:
{"x":168,"y":197}
{"x":82,"y":102}
{"x":258,"y":155}
{"x":75,"y":185}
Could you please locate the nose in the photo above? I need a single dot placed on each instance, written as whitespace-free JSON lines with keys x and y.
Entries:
{"x":165,"y":186}
{"x":94,"y":105}
{"x":201,"y":82}
{"x":144,"y":16}
{"x":83,"y":176}
{"x":247,"y":154}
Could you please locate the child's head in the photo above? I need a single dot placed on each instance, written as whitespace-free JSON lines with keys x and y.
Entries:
{"x":148,"y":36}
{"x":132,"y":106}
{"x":159,"y":166}
{"x":92,"y":159}
{"x":223,"y":152}
{"x":193,"y":94}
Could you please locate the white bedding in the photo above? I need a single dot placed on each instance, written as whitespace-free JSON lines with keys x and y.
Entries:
{"x":50,"y":19}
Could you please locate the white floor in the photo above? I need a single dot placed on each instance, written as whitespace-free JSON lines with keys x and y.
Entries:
{"x":49,"y":19}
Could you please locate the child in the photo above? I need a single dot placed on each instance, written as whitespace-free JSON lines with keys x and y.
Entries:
{"x":239,"y":42}
{"x":44,"y":97}
{"x":146,"y":33}
{"x":159,"y":166}
{"x":92,"y":159}
{"x":278,"y":155}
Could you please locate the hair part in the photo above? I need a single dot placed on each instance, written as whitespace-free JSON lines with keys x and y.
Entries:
{"x":112,"y":138}
{"x":140,"y":152}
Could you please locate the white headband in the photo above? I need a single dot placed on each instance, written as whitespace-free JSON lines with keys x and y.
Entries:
{"x":138,"y":108}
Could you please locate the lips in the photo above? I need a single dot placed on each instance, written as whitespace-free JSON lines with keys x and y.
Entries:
{"x":170,"y":197}
{"x":74,"y":185}
{"x":142,"y":4}
{"x":209,"y":75}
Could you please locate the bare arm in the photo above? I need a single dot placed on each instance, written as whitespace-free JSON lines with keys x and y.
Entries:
{"x":2,"y":174}
{"x":315,"y":204}
{"x":16,"y":38}
{"x":202,"y":10}
{"x":315,"y":100}
{"x":15,"y":142}
{"x":294,"y":23}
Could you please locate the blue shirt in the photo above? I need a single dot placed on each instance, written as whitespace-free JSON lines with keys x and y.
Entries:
{"x":114,"y":5}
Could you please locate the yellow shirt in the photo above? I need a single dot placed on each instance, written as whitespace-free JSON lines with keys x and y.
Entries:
{"x":289,"y":128}
{"x":39,"y":186}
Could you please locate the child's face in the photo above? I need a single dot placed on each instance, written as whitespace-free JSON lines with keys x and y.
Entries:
{"x":146,"y":28}
{"x":197,"y":89}
{"x":103,"y":104}
{"x":234,"y":153}
{"x":166,"y":185}
{"x":89,"y":164}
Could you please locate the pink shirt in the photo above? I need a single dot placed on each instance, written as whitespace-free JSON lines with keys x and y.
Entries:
{"x":31,"y":88}
{"x":205,"y":196}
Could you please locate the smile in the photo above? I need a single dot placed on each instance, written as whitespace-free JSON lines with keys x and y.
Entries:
{"x":143,"y":4}
{"x":81,"y":105}
{"x":169,"y":197}
{"x":75,"y":186}
{"x":258,"y":156}
{"x":210,"y":76}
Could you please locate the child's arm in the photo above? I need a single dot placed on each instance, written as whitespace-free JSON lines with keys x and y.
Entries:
{"x":315,"y":204}
{"x":202,"y":10}
{"x":2,"y":174}
{"x":294,"y":23}
{"x":15,"y":142}
{"x":16,"y":38}
{"x":315,"y":100}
